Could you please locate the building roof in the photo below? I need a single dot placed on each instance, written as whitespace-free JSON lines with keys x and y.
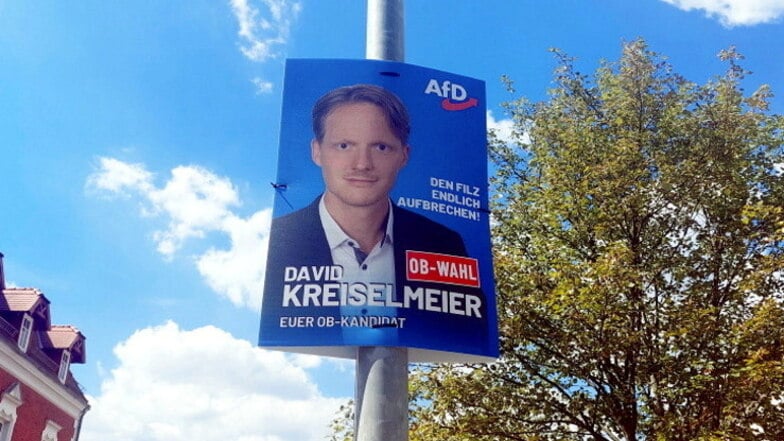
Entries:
{"x":21,"y":299}
{"x":65,"y":337}
{"x":47,"y":342}
{"x":29,"y":300}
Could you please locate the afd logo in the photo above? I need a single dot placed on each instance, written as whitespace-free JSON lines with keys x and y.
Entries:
{"x":454,"y":95}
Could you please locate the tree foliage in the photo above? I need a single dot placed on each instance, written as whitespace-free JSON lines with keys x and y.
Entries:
{"x":639,"y":247}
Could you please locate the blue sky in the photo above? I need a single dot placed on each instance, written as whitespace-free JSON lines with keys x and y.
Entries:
{"x":138,"y":141}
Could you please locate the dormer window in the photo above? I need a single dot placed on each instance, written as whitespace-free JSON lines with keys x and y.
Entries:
{"x":25,"y":330}
{"x":65,"y":363}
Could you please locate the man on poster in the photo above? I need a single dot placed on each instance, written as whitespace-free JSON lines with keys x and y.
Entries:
{"x":352,"y":237}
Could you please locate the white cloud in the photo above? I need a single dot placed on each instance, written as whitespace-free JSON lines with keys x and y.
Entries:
{"x":505,"y":130}
{"x":262,"y":35}
{"x":735,"y":12}
{"x":262,"y":86}
{"x":197,"y":202}
{"x":119,"y":177}
{"x":239,"y":272}
{"x":204,"y":385}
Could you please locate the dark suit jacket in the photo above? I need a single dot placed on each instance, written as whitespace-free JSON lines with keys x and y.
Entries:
{"x":298,"y":239}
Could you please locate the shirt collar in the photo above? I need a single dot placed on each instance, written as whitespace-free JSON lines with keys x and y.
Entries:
{"x":337,"y":237}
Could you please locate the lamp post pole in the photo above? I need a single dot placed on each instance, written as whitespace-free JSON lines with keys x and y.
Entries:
{"x":385,"y":32}
{"x":381,"y":390}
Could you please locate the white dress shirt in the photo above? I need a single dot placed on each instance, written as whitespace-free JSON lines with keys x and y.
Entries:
{"x":378,"y":266}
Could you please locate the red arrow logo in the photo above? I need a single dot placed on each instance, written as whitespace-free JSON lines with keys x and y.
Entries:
{"x":450,"y":106}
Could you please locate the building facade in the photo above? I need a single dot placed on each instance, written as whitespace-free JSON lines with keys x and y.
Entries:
{"x":39,"y":398}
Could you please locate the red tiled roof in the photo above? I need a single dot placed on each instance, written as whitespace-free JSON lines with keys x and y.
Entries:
{"x":47,"y":342}
{"x":52,"y":337}
{"x":63,"y":337}
{"x":20,"y":299}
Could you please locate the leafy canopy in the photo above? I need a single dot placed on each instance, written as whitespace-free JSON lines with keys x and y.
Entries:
{"x":639,"y":247}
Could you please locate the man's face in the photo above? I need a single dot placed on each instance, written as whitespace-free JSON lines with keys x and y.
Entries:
{"x":359,"y":157}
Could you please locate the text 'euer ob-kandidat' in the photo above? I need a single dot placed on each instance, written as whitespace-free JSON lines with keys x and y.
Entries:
{"x":320,"y":286}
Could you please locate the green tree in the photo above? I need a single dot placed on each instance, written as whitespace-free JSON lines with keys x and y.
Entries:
{"x":639,"y":247}
{"x":342,"y":425}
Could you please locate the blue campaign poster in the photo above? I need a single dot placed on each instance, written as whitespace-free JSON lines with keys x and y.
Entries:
{"x":380,"y":233}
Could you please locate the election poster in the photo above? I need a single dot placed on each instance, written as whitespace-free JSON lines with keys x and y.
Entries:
{"x":380,"y":233}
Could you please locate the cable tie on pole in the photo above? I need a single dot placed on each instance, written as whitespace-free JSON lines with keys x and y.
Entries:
{"x":280,"y":188}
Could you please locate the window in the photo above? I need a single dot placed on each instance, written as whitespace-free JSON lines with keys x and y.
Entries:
{"x":50,"y":432}
{"x":65,"y":363}
{"x":24,"y":332}
{"x":5,"y":426}
{"x":11,"y":399}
